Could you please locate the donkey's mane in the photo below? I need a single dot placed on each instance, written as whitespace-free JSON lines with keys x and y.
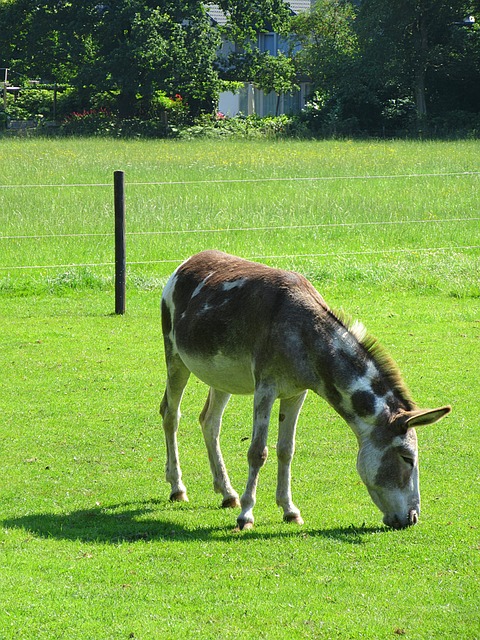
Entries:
{"x":386,"y":365}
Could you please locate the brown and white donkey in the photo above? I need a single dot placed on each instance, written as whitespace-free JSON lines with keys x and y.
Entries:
{"x":245,"y":328}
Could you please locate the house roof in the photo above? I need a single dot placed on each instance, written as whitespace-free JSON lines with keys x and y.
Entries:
{"x":300,"y":6}
{"x":217,"y":15}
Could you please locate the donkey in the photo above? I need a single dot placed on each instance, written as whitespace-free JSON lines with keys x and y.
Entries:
{"x":245,"y":328}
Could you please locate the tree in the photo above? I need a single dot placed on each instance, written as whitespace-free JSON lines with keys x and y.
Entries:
{"x":247,"y":18}
{"x":327,"y":48}
{"x":132,"y":48}
{"x":380,"y":63}
{"x":143,"y":48}
{"x":277,"y":74}
{"x":409,"y":42}
{"x":45,"y":39}
{"x":326,"y":39}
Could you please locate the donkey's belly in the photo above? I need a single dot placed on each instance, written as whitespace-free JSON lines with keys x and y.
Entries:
{"x":232,"y":375}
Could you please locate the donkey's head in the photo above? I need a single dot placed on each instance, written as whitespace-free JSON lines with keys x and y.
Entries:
{"x":388,"y":465}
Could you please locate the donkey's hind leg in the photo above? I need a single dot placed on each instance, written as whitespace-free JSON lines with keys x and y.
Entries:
{"x":211,"y":422}
{"x":177,"y":378}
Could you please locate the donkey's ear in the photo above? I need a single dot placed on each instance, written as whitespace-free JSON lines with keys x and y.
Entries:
{"x":426,"y":416}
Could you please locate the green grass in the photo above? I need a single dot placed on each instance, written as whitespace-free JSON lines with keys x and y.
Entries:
{"x":90,"y":547}
{"x":352,"y":228}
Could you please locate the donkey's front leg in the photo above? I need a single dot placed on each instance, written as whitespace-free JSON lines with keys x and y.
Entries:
{"x":263,"y":400}
{"x":289,"y":412}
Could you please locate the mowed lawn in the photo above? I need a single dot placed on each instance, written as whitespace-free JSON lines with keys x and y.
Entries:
{"x":90,"y":546}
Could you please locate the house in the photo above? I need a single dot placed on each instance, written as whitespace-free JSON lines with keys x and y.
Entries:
{"x":250,"y":100}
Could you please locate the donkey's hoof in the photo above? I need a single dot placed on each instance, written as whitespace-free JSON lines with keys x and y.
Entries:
{"x":243,"y":525}
{"x":293,"y":517}
{"x":231,"y":502}
{"x":178,"y":496}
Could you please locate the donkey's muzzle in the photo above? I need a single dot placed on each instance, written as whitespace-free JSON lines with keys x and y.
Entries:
{"x":400,"y":523}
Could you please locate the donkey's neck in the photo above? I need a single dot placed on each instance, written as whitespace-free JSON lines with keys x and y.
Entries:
{"x":357,"y":377}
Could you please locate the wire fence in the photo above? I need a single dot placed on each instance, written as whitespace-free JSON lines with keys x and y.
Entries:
{"x":326,"y":225}
{"x":248,"y":229}
{"x":251,"y":180}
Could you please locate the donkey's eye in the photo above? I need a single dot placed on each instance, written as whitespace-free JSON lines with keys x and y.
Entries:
{"x":408,"y":460}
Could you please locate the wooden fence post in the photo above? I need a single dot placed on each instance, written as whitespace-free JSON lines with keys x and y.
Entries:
{"x":120,"y":254}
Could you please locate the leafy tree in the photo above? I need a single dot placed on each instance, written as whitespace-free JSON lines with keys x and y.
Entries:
{"x":326,"y":39}
{"x":369,"y":62}
{"x":127,"y":47}
{"x":409,"y":42}
{"x":44,"y":39}
{"x":247,"y":18}
{"x":277,"y":74}
{"x":143,"y":49}
{"x":130,"y":49}
{"x":327,"y":48}
{"x":374,"y":62}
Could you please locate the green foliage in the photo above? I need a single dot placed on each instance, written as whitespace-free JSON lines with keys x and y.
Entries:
{"x":45,"y":39}
{"x":231,"y":85}
{"x":277,"y":74}
{"x":91,"y":122}
{"x":328,"y":41}
{"x":412,"y":50}
{"x":165,"y":115}
{"x":367,"y":62}
{"x":174,"y":111}
{"x":132,"y":48}
{"x":247,"y":18}
{"x":328,"y":49}
{"x":144,"y":49}
{"x":244,"y":127}
{"x":31,"y":104}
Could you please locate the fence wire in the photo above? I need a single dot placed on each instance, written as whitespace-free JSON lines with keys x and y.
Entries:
{"x":247,"y":180}
{"x":254,"y":257}
{"x":247,"y":229}
{"x":325,"y":225}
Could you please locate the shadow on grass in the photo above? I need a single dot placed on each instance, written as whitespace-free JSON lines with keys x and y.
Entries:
{"x":147,"y":521}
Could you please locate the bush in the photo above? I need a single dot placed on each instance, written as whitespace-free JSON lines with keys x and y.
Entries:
{"x":101,"y":122}
{"x":461,"y":124}
{"x":31,"y":104}
{"x":163,"y":118}
{"x":89,"y":122}
{"x":172,"y":111}
{"x":246,"y":127}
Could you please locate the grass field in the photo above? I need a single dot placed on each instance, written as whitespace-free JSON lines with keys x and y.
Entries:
{"x":336,"y":222}
{"x":90,"y":547}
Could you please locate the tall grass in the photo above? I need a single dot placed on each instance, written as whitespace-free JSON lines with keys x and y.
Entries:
{"x":242,"y":197}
